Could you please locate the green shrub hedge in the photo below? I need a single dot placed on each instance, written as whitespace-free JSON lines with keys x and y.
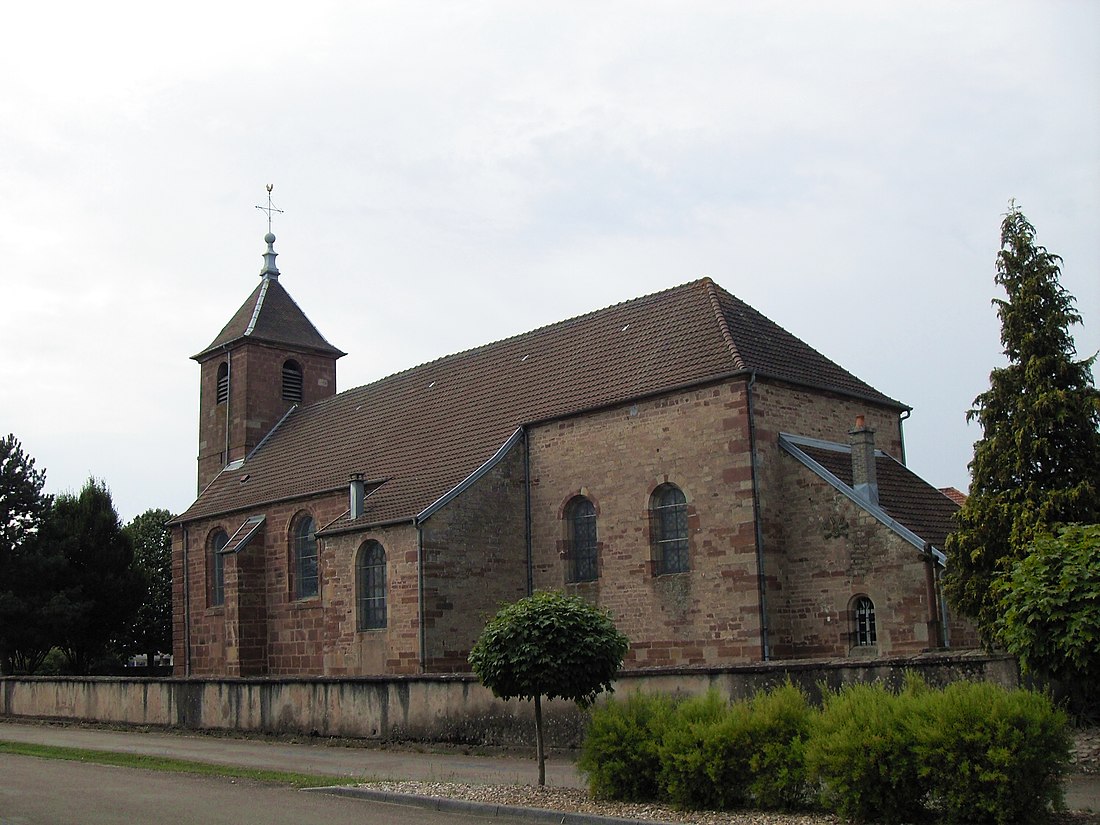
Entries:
{"x":990,"y":755}
{"x":860,"y":753}
{"x":620,"y":752}
{"x":972,"y":753}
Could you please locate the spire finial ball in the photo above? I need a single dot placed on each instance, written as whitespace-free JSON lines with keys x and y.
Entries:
{"x":269,"y":238}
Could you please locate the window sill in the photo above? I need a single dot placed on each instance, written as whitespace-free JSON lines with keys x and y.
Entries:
{"x":309,"y":603}
{"x":864,"y":652}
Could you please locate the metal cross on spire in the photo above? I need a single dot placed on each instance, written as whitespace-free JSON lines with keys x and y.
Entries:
{"x":269,"y":208}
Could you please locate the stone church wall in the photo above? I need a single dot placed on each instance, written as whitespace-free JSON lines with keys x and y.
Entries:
{"x":262,"y":629}
{"x":475,"y":559}
{"x":344,"y":649}
{"x":821,"y":549}
{"x":256,"y":387}
{"x":824,"y":553}
{"x":698,"y":440}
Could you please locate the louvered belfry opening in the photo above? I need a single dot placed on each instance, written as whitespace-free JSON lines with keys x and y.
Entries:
{"x":292,"y":382}
{"x":223,"y":382}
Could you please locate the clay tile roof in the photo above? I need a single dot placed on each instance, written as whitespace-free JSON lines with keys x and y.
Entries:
{"x":903,"y":494}
{"x":428,"y":428}
{"x":270,"y":316}
{"x":956,"y":495}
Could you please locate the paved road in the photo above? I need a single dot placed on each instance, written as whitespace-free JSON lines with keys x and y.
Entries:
{"x":372,"y":763}
{"x":1082,"y":792}
{"x":54,"y":792}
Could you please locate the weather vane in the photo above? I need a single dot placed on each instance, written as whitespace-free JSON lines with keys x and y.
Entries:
{"x":269,"y":208}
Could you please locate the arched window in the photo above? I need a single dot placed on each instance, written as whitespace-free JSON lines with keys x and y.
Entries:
{"x":304,"y":552}
{"x":292,"y":382}
{"x":370,"y":586}
{"x":215,"y":569}
{"x":223,"y":382}
{"x":669,"y":521}
{"x":580,"y":514}
{"x":863,"y":622}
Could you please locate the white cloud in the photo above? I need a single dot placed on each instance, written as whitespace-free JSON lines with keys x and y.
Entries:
{"x":455,"y":173}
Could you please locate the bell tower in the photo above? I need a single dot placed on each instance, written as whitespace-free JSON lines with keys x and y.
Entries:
{"x":267,"y":360}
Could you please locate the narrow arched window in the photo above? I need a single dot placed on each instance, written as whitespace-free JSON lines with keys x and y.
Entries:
{"x":669,"y":527}
{"x":292,"y":382}
{"x":864,"y":633}
{"x":581,"y":517}
{"x":215,"y":575}
{"x":304,"y":544}
{"x":370,"y":591}
{"x":223,"y":382}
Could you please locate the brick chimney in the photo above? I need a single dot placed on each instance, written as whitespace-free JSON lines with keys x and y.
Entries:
{"x":864,"y":479}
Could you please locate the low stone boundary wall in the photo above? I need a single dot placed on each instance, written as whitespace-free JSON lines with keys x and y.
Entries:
{"x":437,"y":708}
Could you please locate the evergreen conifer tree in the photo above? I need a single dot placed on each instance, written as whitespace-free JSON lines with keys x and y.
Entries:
{"x":1037,"y":464}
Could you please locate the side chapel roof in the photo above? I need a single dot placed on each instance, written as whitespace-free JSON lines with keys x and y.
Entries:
{"x":902,"y":495}
{"x":426,"y":429}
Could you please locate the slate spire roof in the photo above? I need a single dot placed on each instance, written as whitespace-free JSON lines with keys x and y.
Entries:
{"x":270,"y":316}
{"x":423,"y":431}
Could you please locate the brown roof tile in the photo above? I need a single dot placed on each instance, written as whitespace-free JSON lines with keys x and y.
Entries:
{"x":428,"y":428}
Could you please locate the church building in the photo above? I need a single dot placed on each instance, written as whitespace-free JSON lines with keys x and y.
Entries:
{"x":728,"y":493}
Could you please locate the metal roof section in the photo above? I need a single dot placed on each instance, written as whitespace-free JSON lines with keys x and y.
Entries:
{"x":792,"y":445}
{"x":243,"y":535}
{"x":259,"y":305}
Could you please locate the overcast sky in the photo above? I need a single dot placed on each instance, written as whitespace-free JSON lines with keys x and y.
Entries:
{"x":456,"y":173}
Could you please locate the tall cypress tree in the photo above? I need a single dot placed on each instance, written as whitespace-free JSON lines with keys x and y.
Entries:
{"x":1037,"y":464}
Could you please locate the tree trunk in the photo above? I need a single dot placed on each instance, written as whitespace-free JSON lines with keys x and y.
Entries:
{"x":539,"y":748}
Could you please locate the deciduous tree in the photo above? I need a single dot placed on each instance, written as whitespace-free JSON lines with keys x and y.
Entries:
{"x":551,"y":645}
{"x":1051,"y":611}
{"x":151,"y":631}
{"x":1037,"y":464}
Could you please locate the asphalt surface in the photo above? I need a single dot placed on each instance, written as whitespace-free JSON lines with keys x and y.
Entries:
{"x":55,"y":792}
{"x":365,"y":762}
{"x":1082,"y":791}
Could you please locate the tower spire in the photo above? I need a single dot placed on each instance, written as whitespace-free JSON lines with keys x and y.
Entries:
{"x":269,"y":270}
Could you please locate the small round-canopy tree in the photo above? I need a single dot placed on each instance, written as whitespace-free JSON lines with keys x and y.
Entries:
{"x":553,"y":645}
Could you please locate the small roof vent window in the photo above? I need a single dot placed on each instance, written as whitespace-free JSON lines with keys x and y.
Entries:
{"x":292,"y":382}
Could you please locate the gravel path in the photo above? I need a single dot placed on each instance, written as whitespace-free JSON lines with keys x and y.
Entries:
{"x":574,"y":800}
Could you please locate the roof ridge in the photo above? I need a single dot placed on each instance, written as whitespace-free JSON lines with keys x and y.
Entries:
{"x":723,"y":324}
{"x":259,"y":306}
{"x":532,"y":332}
